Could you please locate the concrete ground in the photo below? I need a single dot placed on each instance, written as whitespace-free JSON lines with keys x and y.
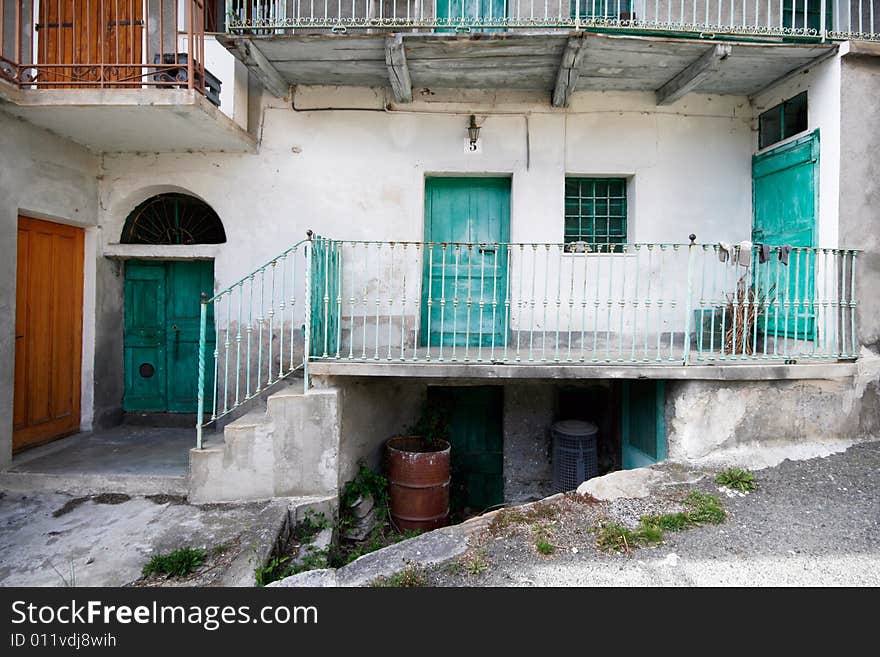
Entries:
{"x":130,"y":458}
{"x":812,"y":522}
{"x":53,"y":539}
{"x":125,"y":449}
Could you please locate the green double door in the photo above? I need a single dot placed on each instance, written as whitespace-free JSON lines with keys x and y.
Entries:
{"x":465,"y":280}
{"x":785,"y":193}
{"x":161,"y":339}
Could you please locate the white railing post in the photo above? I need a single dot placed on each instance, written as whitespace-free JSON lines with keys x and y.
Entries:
{"x":688,"y":302}
{"x":308,"y":311}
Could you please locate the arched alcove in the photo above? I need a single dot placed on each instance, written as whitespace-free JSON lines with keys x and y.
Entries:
{"x":173,"y":218}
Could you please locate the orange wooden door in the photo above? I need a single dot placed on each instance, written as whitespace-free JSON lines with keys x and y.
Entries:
{"x":48,"y":332}
{"x":77,"y":37}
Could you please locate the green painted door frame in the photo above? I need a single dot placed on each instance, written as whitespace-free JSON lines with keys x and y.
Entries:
{"x":643,"y":423}
{"x":161,"y":334}
{"x":785,"y":198}
{"x":475,"y":211}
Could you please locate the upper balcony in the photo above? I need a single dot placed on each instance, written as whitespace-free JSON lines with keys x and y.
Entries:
{"x":668,"y":46}
{"x":121,"y":75}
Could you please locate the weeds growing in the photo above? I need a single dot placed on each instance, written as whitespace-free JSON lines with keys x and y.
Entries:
{"x":737,"y":478}
{"x":179,"y":563}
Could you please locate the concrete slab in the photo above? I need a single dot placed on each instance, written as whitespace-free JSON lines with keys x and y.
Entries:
{"x":136,"y":460}
{"x":764,"y":371}
{"x":51,"y":539}
{"x":519,"y":60}
{"x":102,"y":120}
{"x":125,"y":449}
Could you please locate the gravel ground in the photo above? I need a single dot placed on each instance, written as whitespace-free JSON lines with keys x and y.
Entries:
{"x":813,"y":522}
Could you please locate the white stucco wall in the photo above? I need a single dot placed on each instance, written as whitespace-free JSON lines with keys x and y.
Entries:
{"x":360,"y":174}
{"x":45,"y":177}
{"x":233,"y":77}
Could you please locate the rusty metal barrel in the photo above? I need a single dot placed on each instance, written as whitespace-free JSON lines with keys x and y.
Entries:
{"x":418,"y":478}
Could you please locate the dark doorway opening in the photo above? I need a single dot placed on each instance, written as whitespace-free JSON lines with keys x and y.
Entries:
{"x":474,"y":419}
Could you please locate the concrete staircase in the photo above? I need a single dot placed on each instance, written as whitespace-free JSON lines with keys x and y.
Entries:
{"x":290,"y":449}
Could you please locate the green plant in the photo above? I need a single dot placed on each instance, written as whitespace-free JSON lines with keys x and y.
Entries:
{"x":411,"y":576}
{"x":702,"y":508}
{"x":705,"y":508}
{"x":366,"y":483}
{"x":647,"y":534}
{"x":673,"y":522}
{"x":475,"y":562}
{"x":179,"y":563}
{"x":271,"y":571}
{"x":309,"y":527}
{"x":543,"y":546}
{"x":432,"y":424}
{"x":613,"y":537}
{"x":737,"y":478}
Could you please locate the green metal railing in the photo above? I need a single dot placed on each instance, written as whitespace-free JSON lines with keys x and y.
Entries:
{"x":261,"y":333}
{"x":342,"y":301}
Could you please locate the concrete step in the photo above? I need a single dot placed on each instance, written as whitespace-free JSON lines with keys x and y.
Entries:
{"x":290,"y":449}
{"x":94,"y":483}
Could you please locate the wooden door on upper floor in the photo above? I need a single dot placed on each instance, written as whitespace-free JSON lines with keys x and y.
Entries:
{"x":48,"y":332}
{"x":74,"y":38}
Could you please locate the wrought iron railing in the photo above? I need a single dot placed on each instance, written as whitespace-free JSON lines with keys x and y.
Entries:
{"x":348,"y":301}
{"x":103,"y":44}
{"x":836,"y":19}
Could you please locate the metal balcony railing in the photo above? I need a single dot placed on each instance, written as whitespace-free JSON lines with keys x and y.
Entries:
{"x":833,"y":19}
{"x":103,"y":44}
{"x":649,"y":304}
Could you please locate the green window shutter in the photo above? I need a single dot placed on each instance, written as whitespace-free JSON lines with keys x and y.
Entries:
{"x":609,"y":10}
{"x":595,"y":212}
{"x":793,"y":16}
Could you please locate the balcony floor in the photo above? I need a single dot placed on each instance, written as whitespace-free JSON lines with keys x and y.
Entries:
{"x":753,"y":370}
{"x":523,"y":60}
{"x":129,"y":120}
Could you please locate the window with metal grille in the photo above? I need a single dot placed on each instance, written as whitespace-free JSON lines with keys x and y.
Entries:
{"x":783,"y":121}
{"x":602,"y":9}
{"x":595,"y":213}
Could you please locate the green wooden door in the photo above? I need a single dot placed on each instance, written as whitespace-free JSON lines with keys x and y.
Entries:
{"x":466,"y":284}
{"x":474,"y":416}
{"x":785,"y":196}
{"x":161,"y":336}
{"x":185,"y":283}
{"x":144,"y":336}
{"x":643,"y":423}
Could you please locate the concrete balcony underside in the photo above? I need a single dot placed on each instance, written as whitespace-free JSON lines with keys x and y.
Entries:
{"x":129,"y":120}
{"x":742,"y":371}
{"x":558,"y":61}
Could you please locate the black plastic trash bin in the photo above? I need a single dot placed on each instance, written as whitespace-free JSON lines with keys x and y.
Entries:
{"x":575,"y":454}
